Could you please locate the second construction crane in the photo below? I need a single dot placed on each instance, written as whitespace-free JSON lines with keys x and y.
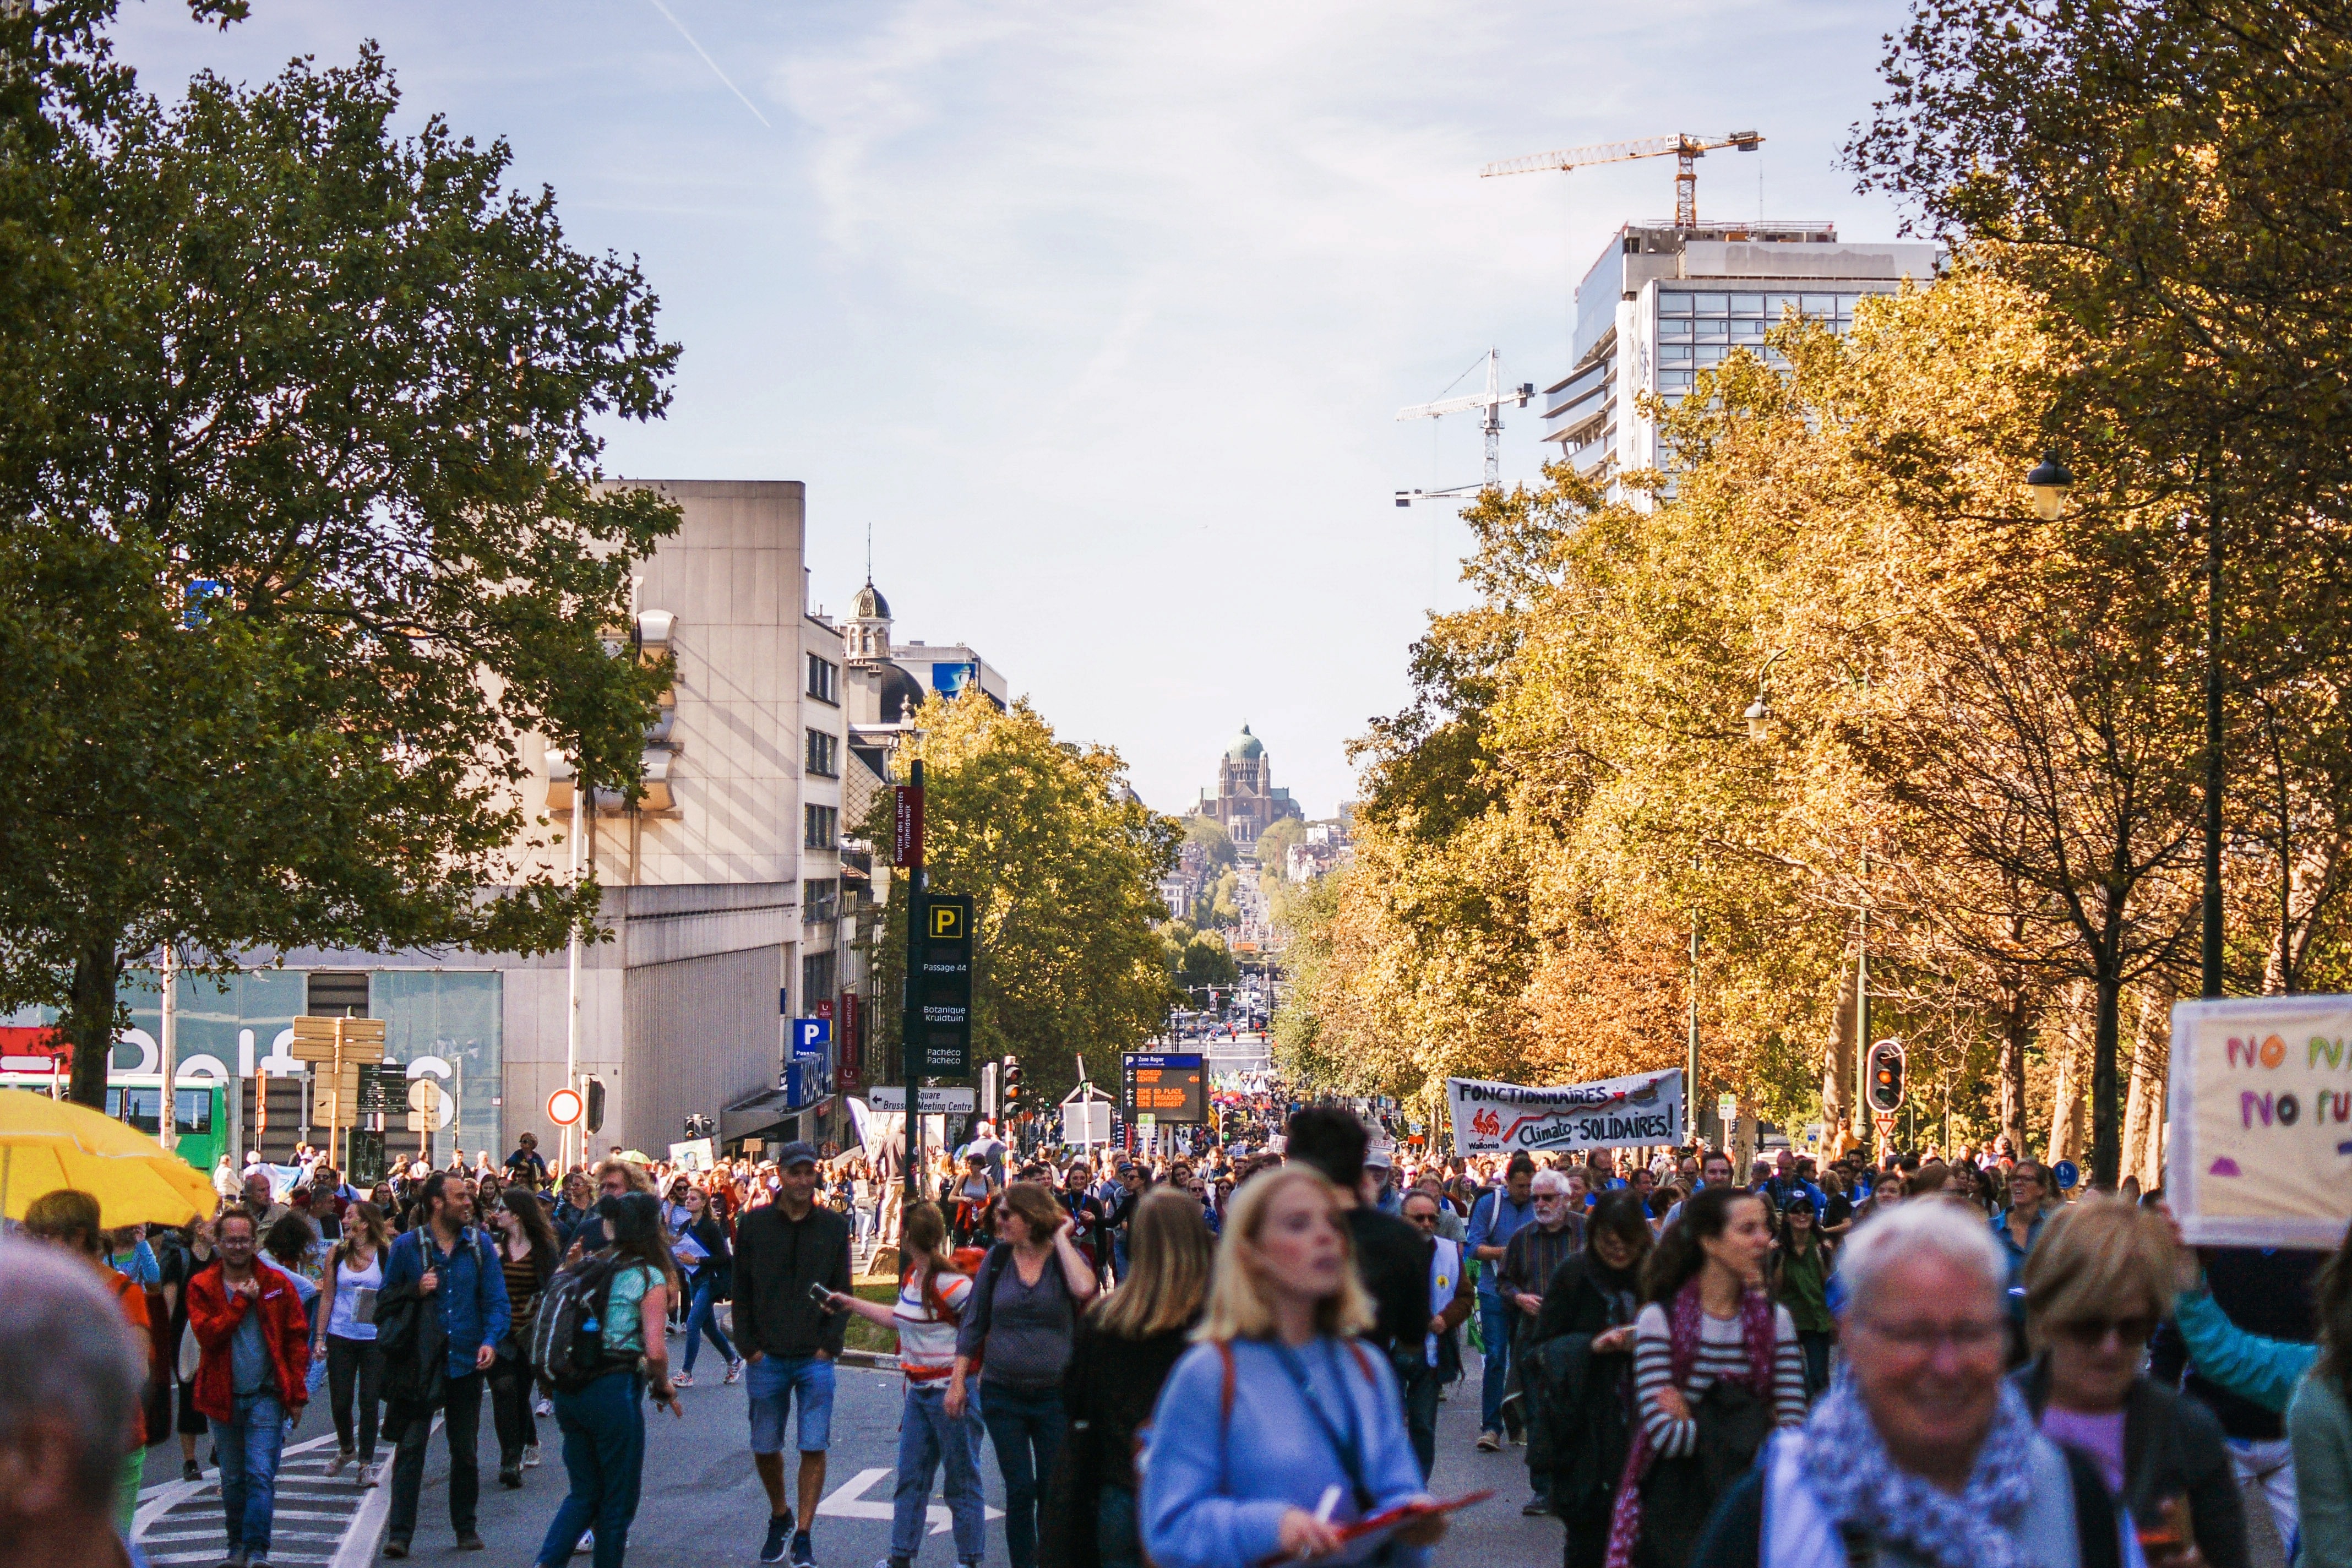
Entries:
{"x":1686,"y":150}
{"x":1490,"y":405}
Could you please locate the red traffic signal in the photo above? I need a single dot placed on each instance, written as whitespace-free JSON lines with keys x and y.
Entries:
{"x":1884,"y":1070}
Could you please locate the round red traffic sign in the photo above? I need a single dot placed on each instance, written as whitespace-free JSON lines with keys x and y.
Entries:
{"x":564,"y":1107}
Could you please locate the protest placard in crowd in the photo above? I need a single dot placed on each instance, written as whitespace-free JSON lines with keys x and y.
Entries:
{"x":2259,"y":1139}
{"x":1614,"y":1114}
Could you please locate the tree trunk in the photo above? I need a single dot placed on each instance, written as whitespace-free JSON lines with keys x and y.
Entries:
{"x":2106,"y":1109}
{"x":2067,"y":1084}
{"x":2016,"y":1033}
{"x":89,"y":1024}
{"x":1837,"y":1073}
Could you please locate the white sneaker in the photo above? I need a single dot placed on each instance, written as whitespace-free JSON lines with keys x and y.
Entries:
{"x":544,"y":1408}
{"x":335,"y":1465}
{"x":587,"y":1541}
{"x":529,"y":1456}
{"x":371,"y":1475}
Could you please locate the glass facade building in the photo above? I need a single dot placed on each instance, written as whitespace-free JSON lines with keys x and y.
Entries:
{"x":1662,"y":304}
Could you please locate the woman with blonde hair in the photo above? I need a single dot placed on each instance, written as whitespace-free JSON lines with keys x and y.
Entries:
{"x":1278,"y":1427}
{"x":1127,"y":1344}
{"x":2096,"y":1285}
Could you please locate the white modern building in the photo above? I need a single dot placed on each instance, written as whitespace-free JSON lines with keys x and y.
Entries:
{"x":1662,"y":303}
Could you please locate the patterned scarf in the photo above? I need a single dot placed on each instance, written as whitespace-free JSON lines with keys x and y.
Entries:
{"x":1683,"y":1315}
{"x":1858,"y":1485}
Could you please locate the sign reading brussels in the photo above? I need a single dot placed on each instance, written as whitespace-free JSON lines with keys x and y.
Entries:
{"x":2258,"y":1137}
{"x":1615,"y":1113}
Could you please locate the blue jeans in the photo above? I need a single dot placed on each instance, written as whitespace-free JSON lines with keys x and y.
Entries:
{"x":1028,"y":1431}
{"x":1494,"y":1326}
{"x":927,"y":1439}
{"x":702,"y":1320}
{"x":605,"y":1457}
{"x":249,"y":1447}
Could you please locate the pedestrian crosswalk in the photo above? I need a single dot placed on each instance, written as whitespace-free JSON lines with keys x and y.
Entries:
{"x":320,"y":1521}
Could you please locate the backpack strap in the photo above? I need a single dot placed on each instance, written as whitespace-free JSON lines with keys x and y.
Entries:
{"x":2098,"y":1533}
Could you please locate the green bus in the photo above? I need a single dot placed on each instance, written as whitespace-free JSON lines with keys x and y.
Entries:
{"x":203,"y":1111}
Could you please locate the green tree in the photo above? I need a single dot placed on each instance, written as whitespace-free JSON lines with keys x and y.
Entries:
{"x":1273,"y":847}
{"x":311,"y":537}
{"x":1204,"y":961}
{"x":1063,"y":864}
{"x":1210,"y":835}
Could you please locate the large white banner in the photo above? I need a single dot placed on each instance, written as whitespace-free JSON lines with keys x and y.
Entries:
{"x":1615,"y":1113}
{"x":2258,"y":1148}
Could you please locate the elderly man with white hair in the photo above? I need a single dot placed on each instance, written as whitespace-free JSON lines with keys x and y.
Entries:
{"x":1922,"y":1455}
{"x":71,"y":1369}
{"x":1532,"y":1257}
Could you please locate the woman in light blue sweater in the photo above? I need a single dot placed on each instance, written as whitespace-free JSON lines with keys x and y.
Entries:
{"x":1278,"y":1428}
{"x":2309,"y":1384}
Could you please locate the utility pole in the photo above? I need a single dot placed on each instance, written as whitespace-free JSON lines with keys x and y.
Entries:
{"x":581,"y":803}
{"x":908,"y":835}
{"x":1690,"y":1076}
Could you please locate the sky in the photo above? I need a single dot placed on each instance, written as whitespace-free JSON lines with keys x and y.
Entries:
{"x":1099,"y":315}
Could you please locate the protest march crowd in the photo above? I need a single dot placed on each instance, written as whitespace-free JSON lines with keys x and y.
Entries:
{"x":1217,"y":1358}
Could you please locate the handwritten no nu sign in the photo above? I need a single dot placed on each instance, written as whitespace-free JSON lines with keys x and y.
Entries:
{"x":2259,"y":1146}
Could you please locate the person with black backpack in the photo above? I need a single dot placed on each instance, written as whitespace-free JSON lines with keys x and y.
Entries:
{"x":440,"y":1315}
{"x":1922,"y":1454}
{"x":598,"y":1339}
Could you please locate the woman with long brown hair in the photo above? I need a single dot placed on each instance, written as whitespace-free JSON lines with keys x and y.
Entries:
{"x":345,"y":1332}
{"x":1278,"y":1428}
{"x":1127,"y":1342}
{"x":529,"y":1255}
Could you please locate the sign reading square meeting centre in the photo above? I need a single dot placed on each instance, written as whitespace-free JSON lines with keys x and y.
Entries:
{"x":1615,"y":1113}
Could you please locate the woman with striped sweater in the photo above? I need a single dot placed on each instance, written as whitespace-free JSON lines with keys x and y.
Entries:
{"x":1716,"y":1367}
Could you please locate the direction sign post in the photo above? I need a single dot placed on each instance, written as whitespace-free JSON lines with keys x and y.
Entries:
{"x":340,"y":1047}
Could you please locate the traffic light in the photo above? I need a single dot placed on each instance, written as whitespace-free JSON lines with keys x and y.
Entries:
{"x":1011,"y":1079}
{"x":1886,"y":1077}
{"x":594,"y":1089}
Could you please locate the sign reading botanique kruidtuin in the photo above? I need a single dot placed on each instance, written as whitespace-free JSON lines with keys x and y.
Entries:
{"x":2258,"y":1145}
{"x":1615,"y":1113}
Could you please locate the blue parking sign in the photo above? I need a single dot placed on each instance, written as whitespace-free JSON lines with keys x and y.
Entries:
{"x":811,"y":1036}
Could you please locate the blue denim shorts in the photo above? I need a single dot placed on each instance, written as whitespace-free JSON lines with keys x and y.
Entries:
{"x":775,"y":1383}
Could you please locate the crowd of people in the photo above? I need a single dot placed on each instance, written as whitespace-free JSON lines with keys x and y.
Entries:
{"x":1219,"y":1358}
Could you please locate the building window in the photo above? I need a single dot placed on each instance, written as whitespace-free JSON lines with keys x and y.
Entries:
{"x":824,"y":823}
{"x":824,"y":680}
{"x":824,"y":755}
{"x":820,"y":901}
{"x":816,"y":981}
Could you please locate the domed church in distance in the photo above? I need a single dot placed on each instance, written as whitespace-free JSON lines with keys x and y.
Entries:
{"x":1246,"y":802}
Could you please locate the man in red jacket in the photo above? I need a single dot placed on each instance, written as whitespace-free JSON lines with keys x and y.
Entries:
{"x":253,"y":1375}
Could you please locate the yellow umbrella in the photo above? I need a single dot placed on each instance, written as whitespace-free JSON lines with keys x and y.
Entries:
{"x":48,"y":1143}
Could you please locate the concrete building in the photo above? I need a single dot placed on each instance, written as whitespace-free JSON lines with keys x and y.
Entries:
{"x":722,"y":886}
{"x":1662,"y":303}
{"x":1245,"y":801}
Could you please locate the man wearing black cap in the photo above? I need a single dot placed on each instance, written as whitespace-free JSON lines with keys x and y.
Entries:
{"x":1391,"y":1256}
{"x":787,"y":1253}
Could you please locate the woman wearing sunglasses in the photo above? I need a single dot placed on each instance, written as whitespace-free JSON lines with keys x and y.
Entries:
{"x":2096,"y":1285}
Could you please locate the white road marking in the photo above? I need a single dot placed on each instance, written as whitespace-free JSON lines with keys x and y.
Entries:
{"x":848,"y":1501}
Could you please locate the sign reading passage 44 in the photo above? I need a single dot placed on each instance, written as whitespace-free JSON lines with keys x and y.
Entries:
{"x":2259,"y":1136}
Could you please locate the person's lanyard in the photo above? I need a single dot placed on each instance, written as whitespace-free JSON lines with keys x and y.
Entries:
{"x":1348,"y":1449}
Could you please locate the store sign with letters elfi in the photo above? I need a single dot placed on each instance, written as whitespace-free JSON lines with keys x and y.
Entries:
{"x":1615,"y":1113}
{"x":2258,"y":1145}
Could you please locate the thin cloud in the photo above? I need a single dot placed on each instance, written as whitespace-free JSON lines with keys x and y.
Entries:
{"x":708,"y":61}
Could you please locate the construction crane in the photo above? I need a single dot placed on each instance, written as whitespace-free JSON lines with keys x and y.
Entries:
{"x":1491,"y":401}
{"x":1687,"y":151}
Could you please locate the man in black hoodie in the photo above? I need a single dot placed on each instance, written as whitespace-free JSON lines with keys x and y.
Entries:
{"x":780,"y":1252}
{"x":1391,"y":1256}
